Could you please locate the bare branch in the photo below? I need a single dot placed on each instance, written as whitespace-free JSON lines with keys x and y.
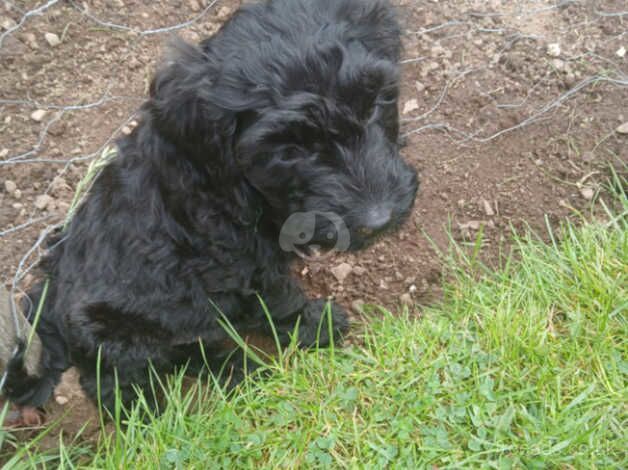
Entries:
{"x":536,"y":116}
{"x":611,"y":14}
{"x":24,"y":225}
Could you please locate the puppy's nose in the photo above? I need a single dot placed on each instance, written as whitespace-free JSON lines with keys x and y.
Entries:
{"x":376,"y":219}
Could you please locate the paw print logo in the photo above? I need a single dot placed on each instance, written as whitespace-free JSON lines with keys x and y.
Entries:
{"x":314,"y":234}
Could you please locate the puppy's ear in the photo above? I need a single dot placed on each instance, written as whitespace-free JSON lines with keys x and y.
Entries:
{"x":369,"y":83}
{"x":181,"y":104}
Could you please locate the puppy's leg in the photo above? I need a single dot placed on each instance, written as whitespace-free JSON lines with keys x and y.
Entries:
{"x":231,"y":366}
{"x":314,"y":323}
{"x":105,"y":384}
{"x":288,"y":305}
{"x":115,"y":348}
{"x":34,"y":388}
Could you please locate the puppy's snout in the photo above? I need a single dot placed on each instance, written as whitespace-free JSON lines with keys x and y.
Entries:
{"x":375,"y":220}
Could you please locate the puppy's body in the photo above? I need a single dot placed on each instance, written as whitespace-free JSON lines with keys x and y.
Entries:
{"x":291,"y":107}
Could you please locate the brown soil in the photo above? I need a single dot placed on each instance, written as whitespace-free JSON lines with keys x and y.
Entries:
{"x":502,"y":116}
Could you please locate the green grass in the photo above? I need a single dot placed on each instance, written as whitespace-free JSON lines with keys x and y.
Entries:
{"x":525,"y":367}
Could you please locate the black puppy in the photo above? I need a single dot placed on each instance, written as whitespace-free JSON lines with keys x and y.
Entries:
{"x":290,"y":109}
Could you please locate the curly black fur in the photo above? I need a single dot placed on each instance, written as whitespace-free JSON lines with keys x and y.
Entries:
{"x":291,"y":107}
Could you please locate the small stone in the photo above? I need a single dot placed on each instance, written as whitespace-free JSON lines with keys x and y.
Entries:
{"x":419,"y":86}
{"x":42,"y":202}
{"x":126,"y":130}
{"x":412,"y":289}
{"x":429,"y":67}
{"x":468,"y":227}
{"x":406,"y":300}
{"x":195,"y":5}
{"x":553,"y":49}
{"x":10,"y":186}
{"x":587,"y":192}
{"x":570,"y":79}
{"x":383,"y":285}
{"x":31,"y":39}
{"x":57,"y":128}
{"x":341,"y":271}
{"x":61,"y":400}
{"x":59,"y":185}
{"x":488,"y":209}
{"x":17,"y":205}
{"x":17,"y":194}
{"x":437,"y":50}
{"x":133,"y":63}
{"x":410,"y":105}
{"x":558,"y":64}
{"x":194,"y":37}
{"x":621,"y":52}
{"x":623,"y":128}
{"x":538,"y":162}
{"x":7,"y":23}
{"x":223,"y":13}
{"x":357,"y":306}
{"x":38,"y":115}
{"x":52,"y":39}
{"x":4,"y":153}
{"x":472,"y":224}
{"x":305,"y":271}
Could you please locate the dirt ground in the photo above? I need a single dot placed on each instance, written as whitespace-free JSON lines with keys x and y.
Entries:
{"x":512,"y":111}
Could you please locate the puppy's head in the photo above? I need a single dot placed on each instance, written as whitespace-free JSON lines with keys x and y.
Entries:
{"x":312,"y":129}
{"x":328,"y":146}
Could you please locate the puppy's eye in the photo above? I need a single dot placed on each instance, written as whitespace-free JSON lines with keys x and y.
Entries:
{"x":286,"y":156}
{"x":387,"y":96}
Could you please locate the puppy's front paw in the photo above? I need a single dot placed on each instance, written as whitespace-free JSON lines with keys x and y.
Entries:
{"x":314,"y":326}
